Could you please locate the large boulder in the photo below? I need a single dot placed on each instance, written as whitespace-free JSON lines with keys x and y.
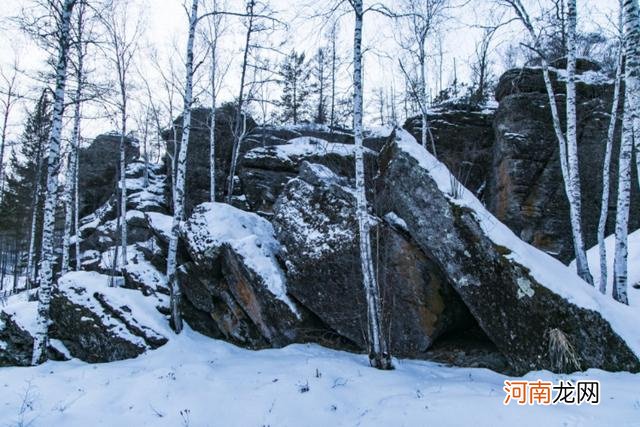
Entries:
{"x":316,"y":224}
{"x":539,"y":314}
{"x":100,"y":323}
{"x":233,"y":278}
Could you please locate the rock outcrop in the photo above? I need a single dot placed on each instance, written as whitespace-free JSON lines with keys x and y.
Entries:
{"x":519,"y":313}
{"x":99,"y":323}
{"x":316,"y":224}
{"x":234,"y":279}
{"x":509,"y":157}
{"x":526,"y":189}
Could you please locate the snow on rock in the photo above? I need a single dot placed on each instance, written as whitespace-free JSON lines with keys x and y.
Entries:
{"x":517,"y":293}
{"x":99,"y":323}
{"x":289,"y":155}
{"x":315,"y":222}
{"x":160,"y":224}
{"x":214,"y":225}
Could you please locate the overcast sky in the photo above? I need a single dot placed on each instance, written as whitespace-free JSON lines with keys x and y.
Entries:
{"x":164,"y":23}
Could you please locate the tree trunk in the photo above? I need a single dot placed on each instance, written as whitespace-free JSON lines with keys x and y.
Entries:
{"x":41,"y":335}
{"x":212,"y":127}
{"x":572,"y":148}
{"x":622,"y":209}
{"x":178,"y":201}
{"x":606,"y":169}
{"x":378,"y":354}
{"x":240,"y":119}
{"x":631,"y":12}
{"x":123,"y":187}
{"x":70,"y":176}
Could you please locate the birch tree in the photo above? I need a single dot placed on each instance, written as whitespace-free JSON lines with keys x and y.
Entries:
{"x":379,"y":356}
{"x":606,"y":168}
{"x":8,"y":99}
{"x":121,"y":48}
{"x":70,"y":201}
{"x":178,"y":203}
{"x":630,"y":132}
{"x":239,"y":131}
{"x":215,"y":30}
{"x":568,"y":155}
{"x":422,"y":16}
{"x":63,"y":11}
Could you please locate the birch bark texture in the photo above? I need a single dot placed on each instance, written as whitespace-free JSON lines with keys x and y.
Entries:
{"x":72,"y":165}
{"x":379,"y":356}
{"x":606,"y":168}
{"x":41,"y":333}
{"x":630,"y":137}
{"x":178,"y":200}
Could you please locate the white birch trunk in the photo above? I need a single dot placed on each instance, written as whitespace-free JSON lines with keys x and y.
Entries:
{"x":31,"y":254}
{"x":123,"y":189}
{"x":378,"y":353}
{"x":630,"y":132}
{"x":606,"y":169}
{"x":240,"y":117}
{"x":631,"y":18}
{"x":572,"y":148}
{"x":622,"y":209}
{"x":178,"y":201}
{"x":569,"y":177}
{"x":212,"y":127}
{"x":70,"y":176}
{"x":76,"y":203}
{"x":41,"y":335}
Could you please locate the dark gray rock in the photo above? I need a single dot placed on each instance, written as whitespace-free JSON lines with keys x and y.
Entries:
{"x":316,"y":224}
{"x":97,"y":170}
{"x":93,"y":328}
{"x":232,"y":287}
{"x":521,"y":324}
{"x":526,"y":190}
{"x":464,"y":141}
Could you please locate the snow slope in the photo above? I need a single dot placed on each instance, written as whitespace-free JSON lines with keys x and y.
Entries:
{"x":196,"y":381}
{"x":633,"y":272}
{"x":547,"y":270}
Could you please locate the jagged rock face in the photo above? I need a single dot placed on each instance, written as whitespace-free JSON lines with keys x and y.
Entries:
{"x":264,"y":171}
{"x":530,"y":80}
{"x":96,"y":323}
{"x":260,"y":178}
{"x":197,"y":175}
{"x":463,"y":141}
{"x":16,"y":344}
{"x":98,"y":165}
{"x":316,"y":225}
{"x":234,"y":279}
{"x":526,"y":188}
{"x":515,"y":311}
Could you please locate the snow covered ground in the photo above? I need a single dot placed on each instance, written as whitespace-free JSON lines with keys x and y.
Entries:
{"x":196,"y":381}
{"x":633,"y":272}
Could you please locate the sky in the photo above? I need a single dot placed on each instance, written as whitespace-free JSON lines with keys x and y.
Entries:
{"x":165,"y":24}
